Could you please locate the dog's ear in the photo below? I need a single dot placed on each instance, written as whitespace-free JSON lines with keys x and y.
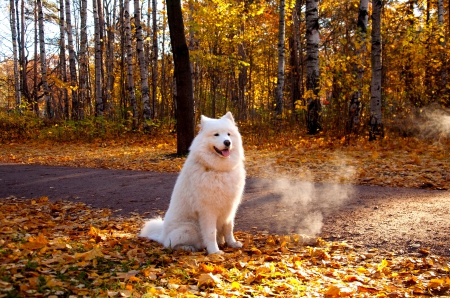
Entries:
{"x":229,"y":116}
{"x":203,"y":120}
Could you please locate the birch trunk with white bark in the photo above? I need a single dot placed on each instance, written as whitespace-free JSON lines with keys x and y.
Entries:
{"x":15,"y":62}
{"x":42,"y":54}
{"x":312,"y":66}
{"x":129,"y":52}
{"x":147,"y":112}
{"x":376,"y":123}
{"x":281,"y":62}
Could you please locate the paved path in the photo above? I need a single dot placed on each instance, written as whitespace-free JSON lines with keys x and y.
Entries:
{"x":399,"y":219}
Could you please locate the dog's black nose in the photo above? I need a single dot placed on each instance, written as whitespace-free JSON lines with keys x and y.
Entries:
{"x":227,"y":143}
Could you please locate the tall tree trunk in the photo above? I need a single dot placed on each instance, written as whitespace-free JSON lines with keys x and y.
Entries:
{"x":72,"y":67}
{"x":154,"y":56}
{"x":312,"y":66}
{"x":77,"y":112}
{"x":442,"y":38}
{"x":24,"y":60}
{"x":98,"y":63}
{"x":101,"y":23}
{"x":163,"y":70}
{"x":376,"y":123}
{"x":184,"y":99}
{"x":35,"y":85}
{"x":142,"y":65}
{"x":62,"y":58}
{"x":281,"y":46}
{"x":355,"y":101}
{"x":294,"y":56}
{"x":110,"y":33}
{"x":43,"y":61}
{"x":129,"y":50}
{"x":15,"y":62}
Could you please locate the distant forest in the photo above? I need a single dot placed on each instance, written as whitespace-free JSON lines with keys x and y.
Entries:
{"x":317,"y":65}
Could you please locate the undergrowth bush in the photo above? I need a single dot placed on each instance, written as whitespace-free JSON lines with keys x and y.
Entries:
{"x":15,"y":126}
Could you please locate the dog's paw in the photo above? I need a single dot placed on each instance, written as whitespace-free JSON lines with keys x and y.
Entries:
{"x":219,"y":252}
{"x":236,"y":244}
{"x":187,"y":248}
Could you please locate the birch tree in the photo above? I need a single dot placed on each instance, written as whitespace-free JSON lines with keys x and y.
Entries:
{"x":110,"y":33}
{"x":72,"y":66}
{"x":129,"y":52}
{"x":295,"y":74}
{"x":77,"y":111}
{"x":142,"y":65}
{"x":355,"y":101}
{"x":312,"y":66}
{"x":15,"y":61}
{"x":376,"y":123}
{"x":42,"y":54}
{"x":62,"y":57}
{"x":443,"y":71}
{"x":23,"y":58}
{"x":184,"y":93}
{"x":280,"y":76}
{"x":98,"y":62}
{"x":154,"y":55}
{"x":35,"y":85}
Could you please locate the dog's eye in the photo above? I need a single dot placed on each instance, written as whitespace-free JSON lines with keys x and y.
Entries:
{"x":216,"y":134}
{"x":229,"y":134}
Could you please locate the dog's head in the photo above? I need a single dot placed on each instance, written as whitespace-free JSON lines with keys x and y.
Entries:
{"x":218,"y":142}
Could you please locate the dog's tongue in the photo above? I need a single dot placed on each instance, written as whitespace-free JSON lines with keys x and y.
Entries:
{"x":226,"y":152}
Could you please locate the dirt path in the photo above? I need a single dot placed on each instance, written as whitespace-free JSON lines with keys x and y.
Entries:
{"x":390,"y":219}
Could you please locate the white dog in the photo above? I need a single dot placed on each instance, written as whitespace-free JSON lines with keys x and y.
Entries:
{"x":207,"y":192}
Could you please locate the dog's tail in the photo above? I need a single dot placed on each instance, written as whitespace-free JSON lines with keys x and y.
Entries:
{"x":153,"y":229}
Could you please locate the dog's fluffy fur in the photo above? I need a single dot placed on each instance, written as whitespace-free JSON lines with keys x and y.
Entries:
{"x":207,"y":192}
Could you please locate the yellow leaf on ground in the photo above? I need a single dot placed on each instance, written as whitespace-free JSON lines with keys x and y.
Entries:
{"x":36,"y":242}
{"x":90,"y":255}
{"x":208,"y":279}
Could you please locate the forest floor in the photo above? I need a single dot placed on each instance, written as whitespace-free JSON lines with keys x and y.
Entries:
{"x":376,"y":201}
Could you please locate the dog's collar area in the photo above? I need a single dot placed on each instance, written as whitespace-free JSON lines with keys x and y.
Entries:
{"x":224,"y":152}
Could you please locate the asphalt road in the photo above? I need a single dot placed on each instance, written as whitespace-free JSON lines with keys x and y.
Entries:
{"x":393,"y":219}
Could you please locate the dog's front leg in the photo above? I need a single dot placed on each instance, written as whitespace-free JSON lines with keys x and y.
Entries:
{"x":229,"y":237}
{"x":209,"y":233}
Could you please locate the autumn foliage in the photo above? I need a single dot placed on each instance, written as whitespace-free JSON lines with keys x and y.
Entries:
{"x":59,"y":249}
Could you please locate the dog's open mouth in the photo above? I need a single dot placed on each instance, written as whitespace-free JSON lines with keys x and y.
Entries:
{"x":224,"y":152}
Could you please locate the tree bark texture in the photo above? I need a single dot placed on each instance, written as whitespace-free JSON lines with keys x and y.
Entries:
{"x":62,"y":58}
{"x":15,"y":62}
{"x":295,"y":74}
{"x":376,"y":123}
{"x":154,"y":57}
{"x":147,"y":112}
{"x":77,"y":112}
{"x":312,"y":66}
{"x":442,"y":38}
{"x":110,"y":33}
{"x":35,"y":85}
{"x":281,"y":54}
{"x":355,"y":100}
{"x":184,"y":98}
{"x":129,"y":51}
{"x":72,"y":66}
{"x":98,"y":63}
{"x":43,"y":61}
{"x":24,"y":58}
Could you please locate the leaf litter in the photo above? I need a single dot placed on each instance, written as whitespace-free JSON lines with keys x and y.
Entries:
{"x":67,"y":249}
{"x":407,"y":162}
{"x":64,"y":249}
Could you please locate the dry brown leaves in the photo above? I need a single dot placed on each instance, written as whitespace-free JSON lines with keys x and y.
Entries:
{"x":396,"y":162}
{"x":61,"y":249}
